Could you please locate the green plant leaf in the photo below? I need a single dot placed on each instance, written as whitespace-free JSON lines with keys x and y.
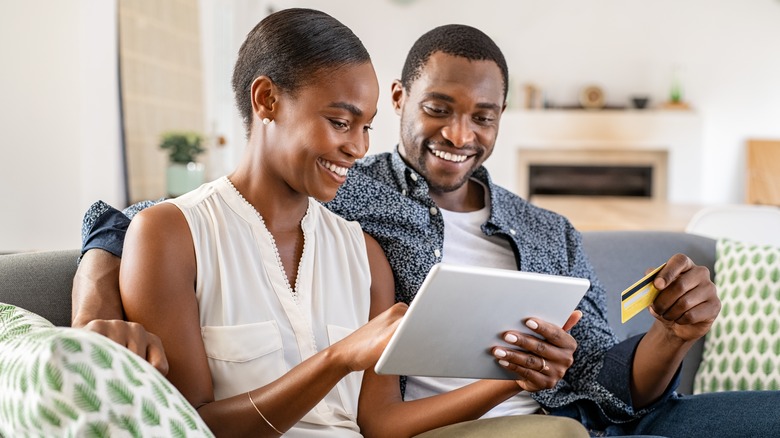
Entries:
{"x":159,"y":395}
{"x":177,"y":429}
{"x":66,"y":409}
{"x":119,"y":392}
{"x":164,"y":384}
{"x":149,"y":413}
{"x":127,"y":423}
{"x":35,"y":373}
{"x":49,"y":416}
{"x":130,"y":376}
{"x":83,"y":370}
{"x":70,"y":345}
{"x":183,"y":147}
{"x":187,"y":417}
{"x":97,"y":429}
{"x":101,"y":357}
{"x":85,"y":398}
{"x":53,"y":377}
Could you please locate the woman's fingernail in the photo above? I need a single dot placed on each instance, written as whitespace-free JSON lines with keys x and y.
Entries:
{"x":499,"y":353}
{"x":503,"y":363}
{"x":510,"y":338}
{"x":532,"y":324}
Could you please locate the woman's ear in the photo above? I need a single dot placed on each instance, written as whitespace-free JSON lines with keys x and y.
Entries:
{"x":398,"y":95}
{"x":264,"y":94}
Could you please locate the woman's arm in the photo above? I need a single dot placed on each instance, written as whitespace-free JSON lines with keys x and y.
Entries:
{"x":157,"y":283}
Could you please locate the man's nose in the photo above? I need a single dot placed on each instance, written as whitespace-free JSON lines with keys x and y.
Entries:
{"x":459,"y":132}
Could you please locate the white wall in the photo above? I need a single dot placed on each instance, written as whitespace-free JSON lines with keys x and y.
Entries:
{"x":60,"y":148}
{"x":59,"y":119}
{"x":726,"y":51}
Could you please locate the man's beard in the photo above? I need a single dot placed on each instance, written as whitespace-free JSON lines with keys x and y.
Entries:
{"x":433,"y":185}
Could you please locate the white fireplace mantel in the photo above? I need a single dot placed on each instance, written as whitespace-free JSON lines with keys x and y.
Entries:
{"x":678,"y":132}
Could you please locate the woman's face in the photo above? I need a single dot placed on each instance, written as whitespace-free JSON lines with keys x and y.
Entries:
{"x":323,"y":129}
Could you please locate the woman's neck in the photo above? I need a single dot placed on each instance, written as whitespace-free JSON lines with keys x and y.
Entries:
{"x":280,"y":206}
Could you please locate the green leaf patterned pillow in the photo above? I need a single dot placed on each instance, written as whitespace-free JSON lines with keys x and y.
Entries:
{"x":66,"y":382}
{"x":16,"y":322}
{"x":742,"y":350}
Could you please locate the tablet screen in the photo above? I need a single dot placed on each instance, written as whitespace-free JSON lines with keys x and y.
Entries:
{"x":460,"y":313}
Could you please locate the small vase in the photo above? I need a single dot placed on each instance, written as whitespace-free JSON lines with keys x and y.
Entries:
{"x":182,"y":178}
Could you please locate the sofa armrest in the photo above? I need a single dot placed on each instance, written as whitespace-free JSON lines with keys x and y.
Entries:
{"x":40,"y":282}
{"x":620,"y":258}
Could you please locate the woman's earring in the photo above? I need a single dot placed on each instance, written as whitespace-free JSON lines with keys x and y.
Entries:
{"x":266,"y":121}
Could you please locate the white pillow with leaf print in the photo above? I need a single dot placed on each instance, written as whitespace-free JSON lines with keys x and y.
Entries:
{"x":742,"y":349}
{"x":60,"y":381}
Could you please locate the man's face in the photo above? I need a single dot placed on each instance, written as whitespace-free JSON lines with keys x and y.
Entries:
{"x":449,"y":119}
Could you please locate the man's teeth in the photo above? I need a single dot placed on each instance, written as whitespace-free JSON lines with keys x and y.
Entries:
{"x":450,"y":156}
{"x":338,"y":170}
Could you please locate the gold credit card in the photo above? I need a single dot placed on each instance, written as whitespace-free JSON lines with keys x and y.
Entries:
{"x":639,"y":295}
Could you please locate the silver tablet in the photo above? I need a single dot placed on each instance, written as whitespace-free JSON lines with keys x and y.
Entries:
{"x":461,"y":312}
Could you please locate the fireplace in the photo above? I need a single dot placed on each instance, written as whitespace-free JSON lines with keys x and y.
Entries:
{"x":590,"y":180}
{"x":593,"y":172}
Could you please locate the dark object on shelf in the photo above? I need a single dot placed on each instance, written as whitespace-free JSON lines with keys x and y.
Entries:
{"x":640,"y":102}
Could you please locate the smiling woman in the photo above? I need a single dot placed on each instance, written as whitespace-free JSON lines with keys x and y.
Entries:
{"x":241,"y":341}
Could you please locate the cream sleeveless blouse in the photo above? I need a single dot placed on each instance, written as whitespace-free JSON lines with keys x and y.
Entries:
{"x":254,"y":327}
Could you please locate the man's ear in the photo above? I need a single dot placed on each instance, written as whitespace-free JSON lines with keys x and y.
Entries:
{"x":264,"y":94}
{"x":398,"y":96}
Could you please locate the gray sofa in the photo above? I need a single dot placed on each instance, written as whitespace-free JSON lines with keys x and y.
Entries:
{"x":41,"y":282}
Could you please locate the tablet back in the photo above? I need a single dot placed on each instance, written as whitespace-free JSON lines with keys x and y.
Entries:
{"x":461,"y":312}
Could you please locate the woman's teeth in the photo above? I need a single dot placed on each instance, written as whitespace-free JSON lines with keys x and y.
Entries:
{"x":450,"y":156}
{"x":338,"y":170}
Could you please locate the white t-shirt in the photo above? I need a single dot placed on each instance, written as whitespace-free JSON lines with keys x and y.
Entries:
{"x":466,"y":244}
{"x":254,"y":327}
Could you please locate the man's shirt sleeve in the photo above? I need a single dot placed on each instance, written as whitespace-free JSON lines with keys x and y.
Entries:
{"x":104,"y":227}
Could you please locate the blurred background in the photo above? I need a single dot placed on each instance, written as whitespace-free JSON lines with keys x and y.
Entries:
{"x":658,"y":98}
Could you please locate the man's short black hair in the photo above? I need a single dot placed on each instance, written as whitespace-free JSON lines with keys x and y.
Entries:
{"x":456,"y":40}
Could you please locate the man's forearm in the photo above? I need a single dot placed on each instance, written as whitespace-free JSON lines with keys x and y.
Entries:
{"x":96,"y":288}
{"x":655,"y":365}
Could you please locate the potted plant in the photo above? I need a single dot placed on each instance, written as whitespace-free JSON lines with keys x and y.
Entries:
{"x":183,"y":173}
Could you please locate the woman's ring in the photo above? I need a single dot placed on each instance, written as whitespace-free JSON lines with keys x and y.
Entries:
{"x":544,"y":365}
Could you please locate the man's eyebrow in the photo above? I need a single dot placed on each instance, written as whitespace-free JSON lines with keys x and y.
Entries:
{"x":449,"y":99}
{"x":489,"y":106}
{"x":439,"y":96}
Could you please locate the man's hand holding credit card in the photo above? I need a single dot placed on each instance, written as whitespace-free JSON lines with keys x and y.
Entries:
{"x":639,"y":295}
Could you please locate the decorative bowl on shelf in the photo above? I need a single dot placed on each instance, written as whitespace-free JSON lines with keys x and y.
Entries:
{"x":640,"y":102}
{"x":592,"y":97}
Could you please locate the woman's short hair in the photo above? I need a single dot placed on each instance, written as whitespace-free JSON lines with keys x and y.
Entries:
{"x":292,"y":47}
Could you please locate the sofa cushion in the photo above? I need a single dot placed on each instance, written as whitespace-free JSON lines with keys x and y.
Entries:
{"x":742,"y":350}
{"x":40,"y":282}
{"x":61,"y":381}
